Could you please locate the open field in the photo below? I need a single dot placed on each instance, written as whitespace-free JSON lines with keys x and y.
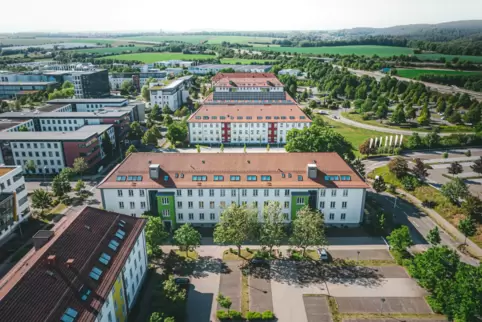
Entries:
{"x":196,"y":39}
{"x":246,"y":61}
{"x":54,"y":40}
{"x":356,"y":136}
{"x":474,"y":59}
{"x":414,"y":73}
{"x":153,"y":57}
{"x":112,"y":50}
{"x":344,"y":50}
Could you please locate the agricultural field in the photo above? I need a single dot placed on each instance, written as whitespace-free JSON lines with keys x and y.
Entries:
{"x":111,"y":50}
{"x":414,"y":73}
{"x":196,"y":39}
{"x":153,"y":57}
{"x":473,"y":59}
{"x":55,"y":40}
{"x":246,"y":61}
{"x":382,"y":51}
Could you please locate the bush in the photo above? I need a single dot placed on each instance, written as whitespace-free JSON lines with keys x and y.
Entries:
{"x":409,"y":183}
{"x":445,"y":155}
{"x":429,"y":204}
{"x":296,"y":256}
{"x":253,"y":316}
{"x":392,"y":188}
{"x":468,"y":153}
{"x":222,"y":315}
{"x":268,"y":315}
{"x":55,"y":202}
{"x":397,"y":151}
{"x":235,"y":315}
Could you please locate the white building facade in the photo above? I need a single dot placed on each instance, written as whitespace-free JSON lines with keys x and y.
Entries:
{"x":173,"y":95}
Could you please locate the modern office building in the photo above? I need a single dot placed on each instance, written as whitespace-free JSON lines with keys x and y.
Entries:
{"x":246,"y":108}
{"x":173,"y":93}
{"x":13,"y":199}
{"x":90,"y":267}
{"x":91,"y":84}
{"x":292,"y":72}
{"x":10,"y":90}
{"x":216,"y":68}
{"x":194,"y":188}
{"x":138,"y":79}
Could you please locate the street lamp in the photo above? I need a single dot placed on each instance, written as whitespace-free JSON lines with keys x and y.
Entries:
{"x":357,"y":255}
{"x":381,"y":306}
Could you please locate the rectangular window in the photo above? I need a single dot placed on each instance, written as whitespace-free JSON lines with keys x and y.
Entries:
{"x":179,"y":204}
{"x":276,"y":193}
{"x":244,"y":192}
{"x":287,"y":204}
{"x":265,"y":178}
{"x":255,"y":192}
{"x":212,"y":216}
{"x":322,"y":192}
{"x":201,"y":216}
{"x":132,"y":204}
{"x":211,"y":192}
{"x":266,"y":192}
{"x":189,"y":193}
{"x":345,"y":192}
{"x":131,"y":193}
{"x":333,"y":193}
{"x":343,"y":204}
{"x":180,"y":216}
{"x":121,"y":205}
{"x":201,"y":204}
{"x":287,"y":192}
{"x":165,"y":212}
{"x":332,"y":216}
{"x":218,"y":178}
{"x":300,"y":178}
{"x":190,"y":204}
{"x":179,"y":193}
{"x":222,"y":193}
{"x":143,"y":205}
{"x":343,"y":216}
{"x":252,"y":178}
{"x":191,"y":216}
{"x":332,"y":204}
{"x":141,"y":193}
{"x":235,"y":178}
{"x":165,"y":201}
{"x":211,"y":204}
{"x":200,"y":193}
{"x":322,"y":204}
{"x":300,"y":201}
{"x":199,"y":178}
{"x":233,"y":193}
{"x":119,"y":193}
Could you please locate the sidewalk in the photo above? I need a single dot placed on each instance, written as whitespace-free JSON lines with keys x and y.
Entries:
{"x":445,"y":225}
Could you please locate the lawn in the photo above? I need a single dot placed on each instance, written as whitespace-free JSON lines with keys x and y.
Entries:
{"x":474,"y":59}
{"x":154,"y":57}
{"x":410,"y":126}
{"x":415,"y":73}
{"x":246,"y":61}
{"x":443,"y":206}
{"x":356,"y":136}
{"x":111,"y":50}
{"x":382,"y":51}
{"x":196,"y":39}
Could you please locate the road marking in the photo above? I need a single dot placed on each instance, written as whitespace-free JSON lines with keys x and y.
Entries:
{"x":413,"y":222}
{"x":405,"y":213}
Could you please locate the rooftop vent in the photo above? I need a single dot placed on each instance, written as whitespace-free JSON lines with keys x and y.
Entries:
{"x":87,"y":227}
{"x":41,"y":238}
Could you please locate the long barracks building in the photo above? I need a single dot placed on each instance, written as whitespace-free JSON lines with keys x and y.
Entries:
{"x":194,"y":188}
{"x":246,"y":108}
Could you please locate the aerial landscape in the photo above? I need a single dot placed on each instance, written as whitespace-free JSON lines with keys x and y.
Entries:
{"x":290,"y":162}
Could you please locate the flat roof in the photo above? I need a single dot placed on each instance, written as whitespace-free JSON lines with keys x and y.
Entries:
{"x":172,"y":84}
{"x":51,"y":107}
{"x":5,"y":169}
{"x":26,"y":83}
{"x":86,"y":100}
{"x":275,"y":165}
{"x":62,"y":114}
{"x":81,"y":134}
{"x":7,"y":123}
{"x":41,"y":287}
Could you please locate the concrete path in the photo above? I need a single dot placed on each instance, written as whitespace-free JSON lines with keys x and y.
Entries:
{"x":260,"y":296}
{"x":230,"y":284}
{"x":201,"y":301}
{"x":317,"y":309}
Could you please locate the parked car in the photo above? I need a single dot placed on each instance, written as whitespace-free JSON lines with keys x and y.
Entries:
{"x":181,"y":281}
{"x":323,"y":254}
{"x":258,"y":261}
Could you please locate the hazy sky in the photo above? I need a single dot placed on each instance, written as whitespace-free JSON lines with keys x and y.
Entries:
{"x":186,"y":15}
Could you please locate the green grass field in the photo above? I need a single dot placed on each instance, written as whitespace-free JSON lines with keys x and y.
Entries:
{"x":344,"y":50}
{"x":196,"y":39}
{"x":45,"y":40}
{"x":153,"y":57}
{"x":414,"y":73}
{"x":246,"y":61}
{"x":113,"y":50}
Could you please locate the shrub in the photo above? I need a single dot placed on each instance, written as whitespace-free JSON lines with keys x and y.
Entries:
{"x":235,"y":315}
{"x":409,"y":183}
{"x":253,"y":316}
{"x":296,"y":256}
{"x":468,"y":153}
{"x":445,"y":155}
{"x":222,"y":315}
{"x":268,"y":315}
{"x":429,"y":204}
{"x":397,"y":151}
{"x":55,"y":202}
{"x":392,"y":188}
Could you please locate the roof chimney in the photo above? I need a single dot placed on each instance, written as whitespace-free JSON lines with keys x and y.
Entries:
{"x":41,"y":238}
{"x":51,"y":260}
{"x":69,"y":263}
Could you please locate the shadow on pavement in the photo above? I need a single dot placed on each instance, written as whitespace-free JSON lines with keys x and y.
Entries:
{"x":199,"y":305}
{"x":178,"y":265}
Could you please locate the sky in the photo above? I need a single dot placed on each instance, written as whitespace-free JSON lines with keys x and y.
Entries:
{"x":224,"y":15}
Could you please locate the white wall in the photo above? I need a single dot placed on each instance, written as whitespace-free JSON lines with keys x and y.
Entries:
{"x":44,"y":154}
{"x":61,"y":125}
{"x":135,"y":269}
{"x":28,"y":124}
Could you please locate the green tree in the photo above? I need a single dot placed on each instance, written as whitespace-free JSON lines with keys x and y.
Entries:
{"x":221,"y":148}
{"x":424,"y":117}
{"x":166,"y":110}
{"x":67,"y":85}
{"x":155,"y":235}
{"x":168,"y":120}
{"x":454,"y":190}
{"x":473,"y":207}
{"x":410,"y":112}
{"x":155,"y":113}
{"x":237,"y":224}
{"x":398,"y":116}
{"x":177,"y":132}
{"x":420,"y":170}
{"x":366,"y":149}
{"x":224,"y":301}
{"x":131,"y":149}
{"x":477,"y":166}
{"x":187,"y":237}
{"x":30,"y":166}
{"x":80,"y":165}
{"x":272,"y":230}
{"x":79,"y":187}
{"x":61,"y":185}
{"x":127,"y":88}
{"x":318,"y":139}
{"x":398,"y":166}
{"x":149,"y":138}
{"x":23,"y":128}
{"x":172,"y":291}
{"x":400,"y":239}
{"x":414,"y":141}
{"x":67,"y":172}
{"x":432,"y":139}
{"x":145,"y":93}
{"x":359,"y":167}
{"x":41,"y":200}
{"x":379,"y":184}
{"x":455,"y":168}
{"x":467,"y":227}
{"x":198,"y":148}
{"x":308,"y":229}
{"x":244,"y":148}
{"x":135,"y":131}
{"x":433,"y":236}
{"x":107,"y":146}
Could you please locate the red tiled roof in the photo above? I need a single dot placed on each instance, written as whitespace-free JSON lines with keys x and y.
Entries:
{"x":227,"y":164}
{"x":249,"y":114}
{"x":34,"y":290}
{"x":246,"y":80}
